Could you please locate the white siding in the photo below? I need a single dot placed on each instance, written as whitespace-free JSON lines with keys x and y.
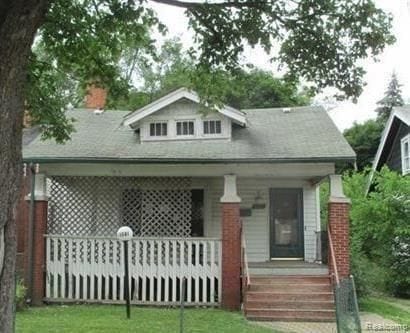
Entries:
{"x":256,"y":226}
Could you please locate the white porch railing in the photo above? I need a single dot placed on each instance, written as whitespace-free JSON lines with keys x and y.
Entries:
{"x":91,"y":269}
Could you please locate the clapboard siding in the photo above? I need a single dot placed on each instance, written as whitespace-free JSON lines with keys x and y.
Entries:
{"x":256,"y":226}
{"x":394,"y":160}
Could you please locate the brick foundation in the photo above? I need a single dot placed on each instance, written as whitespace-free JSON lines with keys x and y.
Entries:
{"x":339,"y":230}
{"x":231,"y":256}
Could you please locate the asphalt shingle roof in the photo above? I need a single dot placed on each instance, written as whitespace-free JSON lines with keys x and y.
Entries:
{"x":305,"y":133}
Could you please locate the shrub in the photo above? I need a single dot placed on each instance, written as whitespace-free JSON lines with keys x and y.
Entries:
{"x":20,"y":295}
{"x":380,"y":231}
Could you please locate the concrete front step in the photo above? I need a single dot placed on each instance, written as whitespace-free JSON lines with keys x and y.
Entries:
{"x":290,"y":304}
{"x":293,"y":287}
{"x":290,"y":315}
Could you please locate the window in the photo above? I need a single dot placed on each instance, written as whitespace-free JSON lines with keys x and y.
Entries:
{"x":158,"y":129}
{"x":185,"y":127}
{"x":405,"y":154}
{"x":212,"y":127}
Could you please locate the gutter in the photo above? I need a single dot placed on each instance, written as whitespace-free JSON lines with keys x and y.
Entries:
{"x":87,"y":160}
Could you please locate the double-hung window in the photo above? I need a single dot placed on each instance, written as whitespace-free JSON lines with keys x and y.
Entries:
{"x":212,"y":127}
{"x":158,"y":129}
{"x":185,"y":127}
{"x":405,"y":154}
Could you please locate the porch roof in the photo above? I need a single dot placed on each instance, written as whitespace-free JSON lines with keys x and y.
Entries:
{"x":304,"y":134}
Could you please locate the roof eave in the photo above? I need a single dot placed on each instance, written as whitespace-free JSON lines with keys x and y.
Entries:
{"x":384,"y":137}
{"x":236,"y":115}
{"x":346,"y":159}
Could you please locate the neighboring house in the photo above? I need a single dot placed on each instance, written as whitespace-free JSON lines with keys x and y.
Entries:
{"x":183,"y":180}
{"x":394,"y":148}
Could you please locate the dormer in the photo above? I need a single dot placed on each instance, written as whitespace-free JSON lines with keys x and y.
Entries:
{"x":177,"y":116}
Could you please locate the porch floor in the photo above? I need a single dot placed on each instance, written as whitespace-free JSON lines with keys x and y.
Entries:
{"x":287,"y":267}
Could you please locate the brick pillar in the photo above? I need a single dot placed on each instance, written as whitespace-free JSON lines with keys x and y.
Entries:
{"x":22,"y":229}
{"x":39,"y":251}
{"x":338,"y":225}
{"x":231,"y":246}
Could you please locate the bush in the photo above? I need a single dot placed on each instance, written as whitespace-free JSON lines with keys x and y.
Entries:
{"x":369,"y":277}
{"x":20,"y":295}
{"x":380,"y":232}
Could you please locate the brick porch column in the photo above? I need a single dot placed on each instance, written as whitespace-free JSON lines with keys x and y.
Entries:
{"x":38,"y":250}
{"x":231,"y":246}
{"x":339,"y":206}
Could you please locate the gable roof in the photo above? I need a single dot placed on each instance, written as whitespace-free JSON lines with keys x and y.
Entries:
{"x":305,"y":134}
{"x":397,"y":116}
{"x":236,"y":115}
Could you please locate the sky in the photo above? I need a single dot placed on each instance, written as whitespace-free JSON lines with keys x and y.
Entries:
{"x":394,"y":58}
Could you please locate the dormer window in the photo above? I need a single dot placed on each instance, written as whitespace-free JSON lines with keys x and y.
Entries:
{"x":158,"y":129}
{"x":185,"y":128}
{"x":212,"y":127}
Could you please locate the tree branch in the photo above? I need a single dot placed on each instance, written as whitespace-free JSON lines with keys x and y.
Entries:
{"x":188,"y":5}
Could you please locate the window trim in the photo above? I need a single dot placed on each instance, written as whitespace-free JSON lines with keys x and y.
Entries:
{"x":212,"y":134}
{"x":154,"y":122}
{"x":403,"y":141}
{"x":176,"y":121}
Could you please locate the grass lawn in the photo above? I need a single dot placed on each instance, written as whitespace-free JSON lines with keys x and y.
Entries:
{"x":395,"y":309}
{"x":110,"y":318}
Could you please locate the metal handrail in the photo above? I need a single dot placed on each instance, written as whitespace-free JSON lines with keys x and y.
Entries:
{"x":245,"y":261}
{"x":332,"y":256}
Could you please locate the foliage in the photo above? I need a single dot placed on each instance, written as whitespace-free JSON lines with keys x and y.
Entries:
{"x":392,"y":98}
{"x":364,"y":139}
{"x":379,"y":225}
{"x":320,"y":41}
{"x":387,"y":308}
{"x":106,"y":318}
{"x":244,"y":88}
{"x":103,"y":41}
{"x":324,"y":191}
{"x":20,"y":295}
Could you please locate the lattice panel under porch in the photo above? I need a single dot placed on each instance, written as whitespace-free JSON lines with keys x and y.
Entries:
{"x":81,"y":206}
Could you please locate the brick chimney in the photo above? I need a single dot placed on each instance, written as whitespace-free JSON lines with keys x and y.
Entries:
{"x":96,"y":97}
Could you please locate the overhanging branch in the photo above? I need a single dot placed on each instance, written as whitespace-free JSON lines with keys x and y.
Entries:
{"x":188,"y":5}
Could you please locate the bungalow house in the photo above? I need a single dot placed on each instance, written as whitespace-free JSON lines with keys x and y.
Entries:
{"x":195,"y":188}
{"x":394,"y":148}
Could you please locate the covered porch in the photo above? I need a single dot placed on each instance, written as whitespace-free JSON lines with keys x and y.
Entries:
{"x":176,"y":213}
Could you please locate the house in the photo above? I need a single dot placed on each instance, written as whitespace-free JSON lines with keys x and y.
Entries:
{"x":195,"y":187}
{"x":394,"y":148}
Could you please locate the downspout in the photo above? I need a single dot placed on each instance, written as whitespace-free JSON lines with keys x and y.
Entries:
{"x":30,"y":246}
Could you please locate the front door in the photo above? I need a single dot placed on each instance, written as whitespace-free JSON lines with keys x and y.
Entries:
{"x":286,"y":223}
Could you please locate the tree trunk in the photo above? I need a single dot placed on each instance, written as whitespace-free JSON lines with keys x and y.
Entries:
{"x":19,"y":21}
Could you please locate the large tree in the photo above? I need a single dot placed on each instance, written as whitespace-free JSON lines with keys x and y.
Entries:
{"x":172,"y":68}
{"x":392,"y":98}
{"x":364,"y":139}
{"x":320,"y":41}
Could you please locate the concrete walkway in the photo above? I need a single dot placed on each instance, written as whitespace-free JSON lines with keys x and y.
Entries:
{"x":370,"y":323}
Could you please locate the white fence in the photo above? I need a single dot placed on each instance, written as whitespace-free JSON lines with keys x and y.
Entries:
{"x":91,"y":269}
